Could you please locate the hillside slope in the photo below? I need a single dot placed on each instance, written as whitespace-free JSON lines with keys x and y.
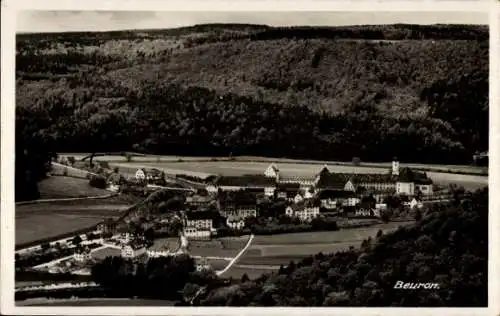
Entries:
{"x":448,"y":247}
{"x":417,"y":92}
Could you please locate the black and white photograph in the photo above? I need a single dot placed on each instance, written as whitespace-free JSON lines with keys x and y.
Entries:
{"x":251,"y":159}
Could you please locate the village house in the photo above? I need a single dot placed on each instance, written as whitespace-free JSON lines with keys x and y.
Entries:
{"x":125,"y":238}
{"x":381,"y":206}
{"x":299,"y":197}
{"x":414,"y":203}
{"x":197,"y":233}
{"x":364,"y":212}
{"x":272,"y":171}
{"x":151,"y":176}
{"x":202,"y":265}
{"x":133,"y":249}
{"x":199,"y":200}
{"x":367,"y":208}
{"x":305,"y":211}
{"x":331,"y":199}
{"x":199,"y":225}
{"x":201,"y":220}
{"x":82,"y":254}
{"x":114,"y":181}
{"x":287,"y":191}
{"x":235,"y":222}
{"x":108,"y":226}
{"x":243,"y":211}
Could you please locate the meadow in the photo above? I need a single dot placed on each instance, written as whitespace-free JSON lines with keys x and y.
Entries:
{"x":48,"y":220}
{"x":59,"y":187}
{"x":227,"y":247}
{"x":267,"y":253}
{"x":163,"y":244}
{"x":101,"y":254}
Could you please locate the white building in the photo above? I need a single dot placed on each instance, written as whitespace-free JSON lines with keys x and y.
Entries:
{"x":404,"y":187}
{"x":133,"y":250}
{"x":235,"y":222}
{"x":269,"y":191}
{"x":395,"y":168}
{"x":272,"y":171}
{"x":82,"y":255}
{"x":351,"y":201}
{"x":197,"y":233}
{"x":298,"y":198}
{"x":414,"y":203}
{"x":200,"y":223}
{"x":303,"y":212}
{"x":367,"y":212}
{"x":381,"y":206}
{"x":425,"y":188}
{"x":140,"y":174}
{"x":203,"y":265}
{"x":212,"y":188}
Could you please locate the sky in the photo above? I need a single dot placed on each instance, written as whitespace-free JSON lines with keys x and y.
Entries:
{"x":68,"y":21}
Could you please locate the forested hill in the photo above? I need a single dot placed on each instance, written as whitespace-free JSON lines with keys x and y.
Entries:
{"x":374,"y":92}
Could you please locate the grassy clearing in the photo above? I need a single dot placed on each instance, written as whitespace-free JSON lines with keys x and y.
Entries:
{"x":237,"y":272}
{"x":46,"y":220}
{"x":221,"y":247}
{"x":275,"y":250}
{"x":164,"y":244}
{"x":324,"y":237}
{"x":218,"y":264}
{"x":61,"y":170}
{"x":59,"y":187}
{"x":106,"y":252}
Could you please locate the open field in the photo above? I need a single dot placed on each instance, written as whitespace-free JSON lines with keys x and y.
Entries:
{"x":237,"y":272}
{"x":163,"y":244}
{"x":325,"y":237}
{"x":221,"y":247}
{"x":46,"y":220}
{"x":61,"y":170}
{"x":267,"y":253}
{"x":217,"y":264}
{"x":233,"y":168}
{"x":267,"y":160}
{"x":101,"y":254}
{"x":59,"y":187}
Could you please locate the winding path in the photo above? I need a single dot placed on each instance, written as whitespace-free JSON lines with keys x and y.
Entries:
{"x":230,"y":264}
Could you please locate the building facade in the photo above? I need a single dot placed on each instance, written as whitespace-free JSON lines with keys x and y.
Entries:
{"x":133,"y":250}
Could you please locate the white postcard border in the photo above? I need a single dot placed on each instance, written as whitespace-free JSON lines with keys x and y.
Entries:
{"x":7,"y":146}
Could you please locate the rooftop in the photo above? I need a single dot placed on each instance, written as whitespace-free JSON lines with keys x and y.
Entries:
{"x":331,"y":194}
{"x":201,"y":215}
{"x":245,"y":180}
{"x":234,"y":218}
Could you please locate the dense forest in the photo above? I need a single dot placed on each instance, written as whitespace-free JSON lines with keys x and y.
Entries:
{"x":416,"y":92}
{"x":448,"y":246}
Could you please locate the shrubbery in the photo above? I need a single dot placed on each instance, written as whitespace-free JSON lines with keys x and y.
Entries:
{"x":98,"y":182}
